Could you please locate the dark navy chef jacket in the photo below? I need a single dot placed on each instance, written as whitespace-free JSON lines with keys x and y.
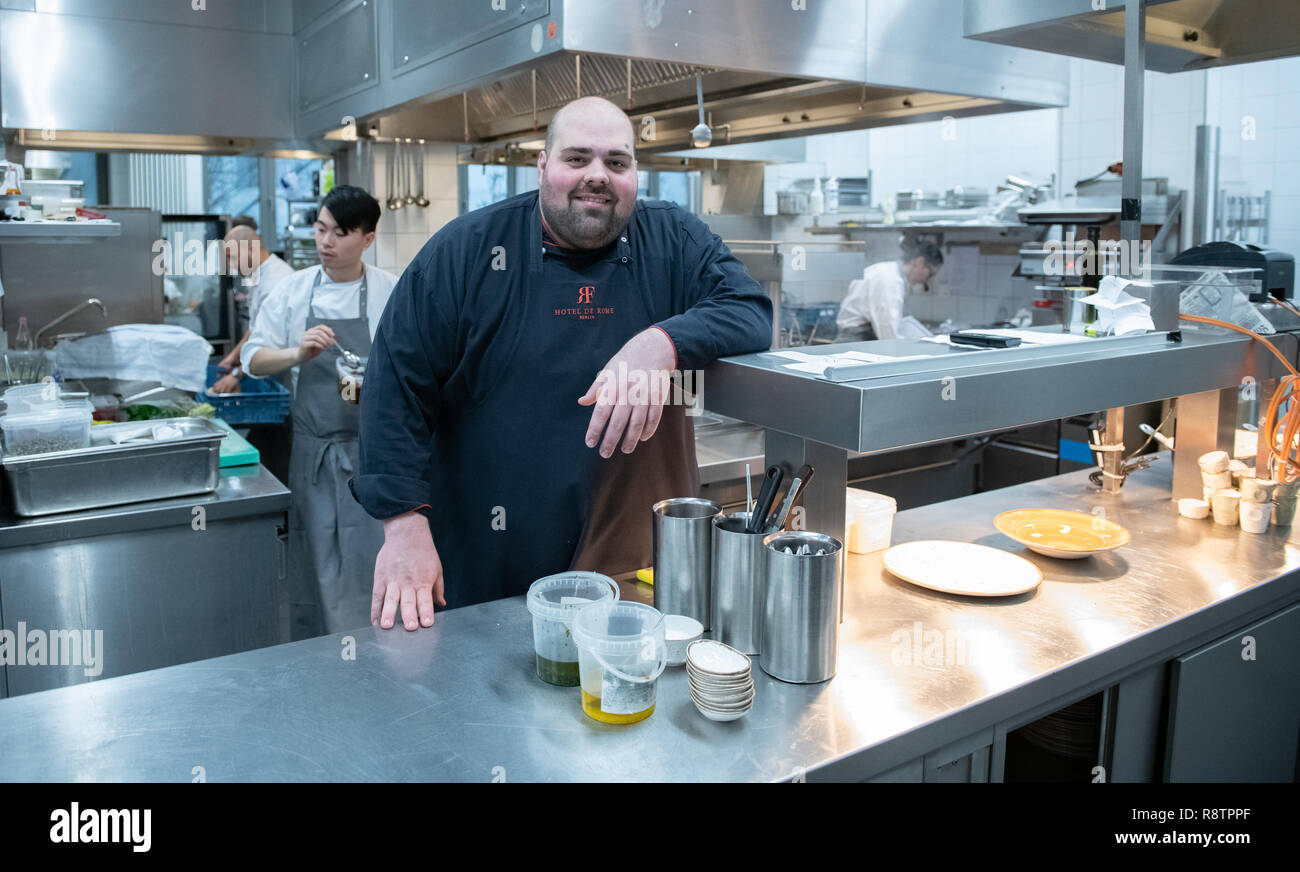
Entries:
{"x":469,"y":409}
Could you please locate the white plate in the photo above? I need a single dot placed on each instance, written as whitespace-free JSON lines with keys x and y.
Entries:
{"x":962,"y":568}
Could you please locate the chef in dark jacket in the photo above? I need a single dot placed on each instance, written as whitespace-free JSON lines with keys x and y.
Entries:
{"x":494,"y":443}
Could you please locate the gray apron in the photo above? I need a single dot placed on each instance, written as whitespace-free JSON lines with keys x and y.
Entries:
{"x":335,"y":541}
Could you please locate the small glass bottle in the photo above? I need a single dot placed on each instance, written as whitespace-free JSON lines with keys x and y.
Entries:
{"x":23,"y":338}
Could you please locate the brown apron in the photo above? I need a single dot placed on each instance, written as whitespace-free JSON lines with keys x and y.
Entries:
{"x":617,"y":538}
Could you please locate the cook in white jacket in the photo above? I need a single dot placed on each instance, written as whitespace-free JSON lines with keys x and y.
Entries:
{"x":874,"y":304}
{"x":333,"y":542}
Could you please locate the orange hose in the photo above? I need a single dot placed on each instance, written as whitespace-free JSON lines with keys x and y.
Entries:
{"x":1287,"y":466}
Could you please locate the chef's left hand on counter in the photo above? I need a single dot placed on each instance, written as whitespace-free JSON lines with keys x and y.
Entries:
{"x":646,"y":361}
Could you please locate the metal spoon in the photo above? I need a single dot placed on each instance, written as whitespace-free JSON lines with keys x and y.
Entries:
{"x":406,"y":175}
{"x":352,"y":359}
{"x":394,"y":201}
{"x":420,"y":200}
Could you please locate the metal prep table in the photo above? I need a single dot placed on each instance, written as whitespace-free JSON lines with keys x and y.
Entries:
{"x":462,"y":702}
{"x":167,"y":581}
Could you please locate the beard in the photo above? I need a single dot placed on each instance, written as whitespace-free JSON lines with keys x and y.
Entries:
{"x":576,"y":224}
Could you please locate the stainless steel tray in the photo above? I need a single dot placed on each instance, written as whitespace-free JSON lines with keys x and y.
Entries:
{"x":106,"y":474}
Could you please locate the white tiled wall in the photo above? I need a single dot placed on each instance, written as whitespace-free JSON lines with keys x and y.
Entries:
{"x":1092,"y":126}
{"x":1257,"y":107}
{"x":402,"y":233}
{"x":973,"y":152}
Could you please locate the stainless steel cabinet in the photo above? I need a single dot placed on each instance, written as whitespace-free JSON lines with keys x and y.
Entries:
{"x":1234,"y":709}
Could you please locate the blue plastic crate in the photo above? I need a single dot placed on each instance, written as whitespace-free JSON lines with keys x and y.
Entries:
{"x":806,"y":317}
{"x":263,"y":400}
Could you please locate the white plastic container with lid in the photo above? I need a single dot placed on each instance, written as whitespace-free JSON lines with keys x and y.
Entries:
{"x":553,"y":601}
{"x":868,"y":521}
{"x":60,"y":428}
{"x":42,"y":397}
{"x":22,"y":396}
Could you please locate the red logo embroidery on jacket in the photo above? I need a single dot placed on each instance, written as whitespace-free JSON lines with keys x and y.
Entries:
{"x":585,"y":308}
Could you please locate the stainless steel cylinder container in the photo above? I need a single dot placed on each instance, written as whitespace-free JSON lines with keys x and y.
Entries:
{"x":801,"y":606}
{"x":683,"y":546}
{"x":739,"y":571}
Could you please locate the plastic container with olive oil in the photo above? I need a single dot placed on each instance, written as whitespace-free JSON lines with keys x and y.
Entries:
{"x":622,"y":651}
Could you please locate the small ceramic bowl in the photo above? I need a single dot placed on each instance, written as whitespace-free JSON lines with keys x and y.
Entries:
{"x":679,"y":632}
{"x":717,"y":660}
{"x":1215,"y":461}
{"x":1194,"y":509}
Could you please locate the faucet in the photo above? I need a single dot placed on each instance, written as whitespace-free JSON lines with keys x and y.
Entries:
{"x":93,"y":301}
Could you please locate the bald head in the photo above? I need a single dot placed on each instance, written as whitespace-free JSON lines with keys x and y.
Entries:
{"x":585,"y":112}
{"x":586,"y":176}
{"x":242,"y":231}
{"x":243,"y":250}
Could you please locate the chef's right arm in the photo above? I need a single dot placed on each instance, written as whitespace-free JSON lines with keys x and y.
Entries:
{"x":268,"y":351}
{"x":410,"y":361}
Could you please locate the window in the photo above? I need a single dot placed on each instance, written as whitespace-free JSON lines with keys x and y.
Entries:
{"x":231,"y":186}
{"x":680,"y":188}
{"x":297,"y":185}
{"x":482,"y":185}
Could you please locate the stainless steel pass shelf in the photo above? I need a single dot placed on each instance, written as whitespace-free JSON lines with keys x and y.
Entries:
{"x":953,"y":393}
{"x":57,"y":231}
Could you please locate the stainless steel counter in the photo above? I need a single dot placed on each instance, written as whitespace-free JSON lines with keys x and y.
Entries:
{"x":241,"y":491}
{"x":160,"y":582}
{"x":461,"y":701}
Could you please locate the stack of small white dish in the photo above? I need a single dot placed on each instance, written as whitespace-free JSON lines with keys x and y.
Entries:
{"x":721,"y":680}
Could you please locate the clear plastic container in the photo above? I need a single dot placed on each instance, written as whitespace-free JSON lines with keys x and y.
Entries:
{"x":622,"y":651}
{"x":63,"y":428}
{"x":553,"y":601}
{"x":20,"y":397}
{"x":868,"y":521}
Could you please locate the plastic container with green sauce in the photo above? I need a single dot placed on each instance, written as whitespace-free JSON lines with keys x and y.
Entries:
{"x":553,"y":601}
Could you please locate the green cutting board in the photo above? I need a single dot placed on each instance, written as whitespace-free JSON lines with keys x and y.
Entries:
{"x":235,"y":449}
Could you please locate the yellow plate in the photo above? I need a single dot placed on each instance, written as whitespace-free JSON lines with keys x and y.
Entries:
{"x":1061,"y":534}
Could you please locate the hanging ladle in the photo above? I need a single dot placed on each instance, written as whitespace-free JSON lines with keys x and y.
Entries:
{"x":420,"y":200}
{"x":406,"y":175}
{"x":394,"y":201}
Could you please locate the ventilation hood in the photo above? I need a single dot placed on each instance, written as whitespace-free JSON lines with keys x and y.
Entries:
{"x":1180,"y":34}
{"x":492,"y":77}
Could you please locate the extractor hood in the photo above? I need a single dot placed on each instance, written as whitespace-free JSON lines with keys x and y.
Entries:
{"x":491,"y":76}
{"x":1181,"y":34}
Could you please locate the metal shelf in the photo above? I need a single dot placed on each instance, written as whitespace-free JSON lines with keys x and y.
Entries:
{"x":57,"y":231}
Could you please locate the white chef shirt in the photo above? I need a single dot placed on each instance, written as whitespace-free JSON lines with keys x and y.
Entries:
{"x":282,"y":319}
{"x":265,"y":277}
{"x":876,"y":300}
